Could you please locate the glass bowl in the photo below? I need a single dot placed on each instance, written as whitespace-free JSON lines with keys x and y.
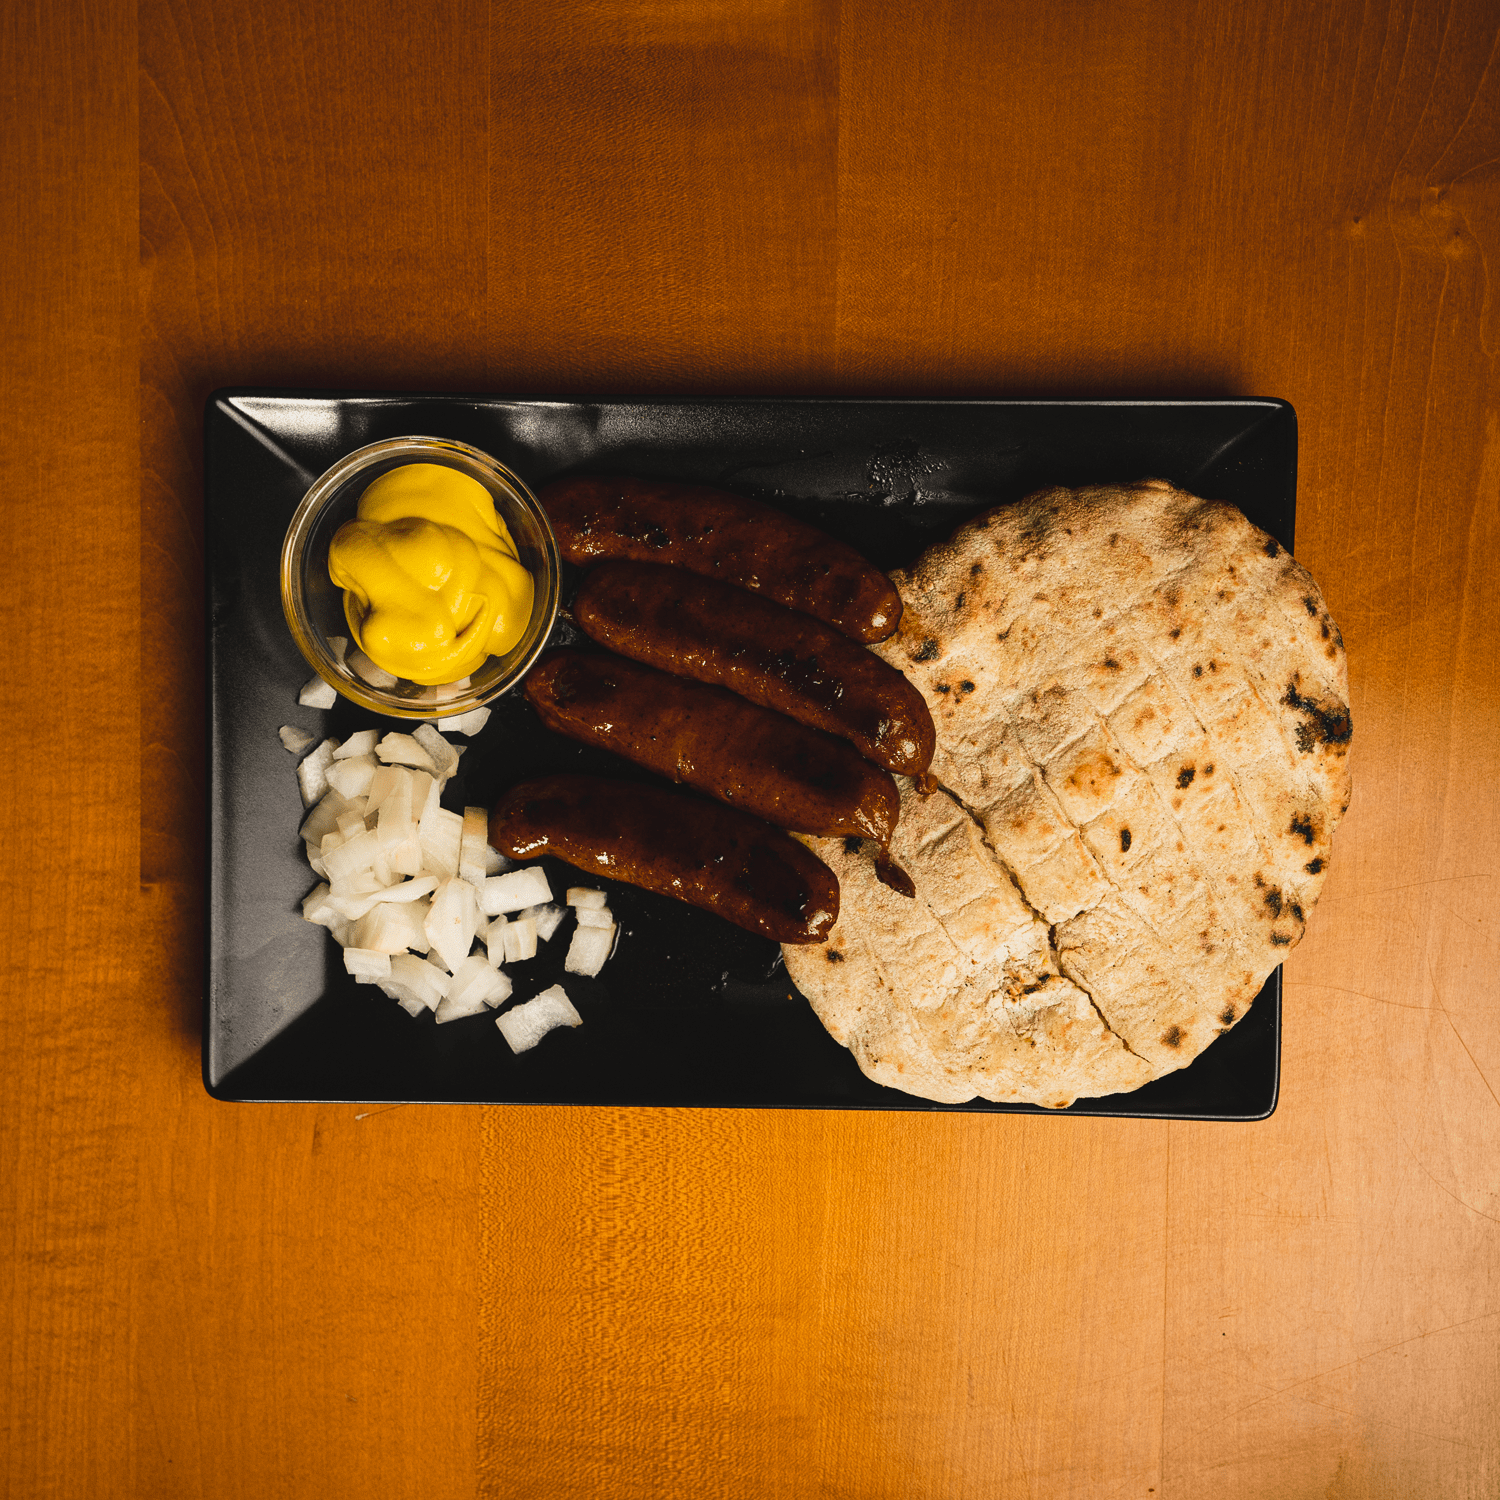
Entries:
{"x":314,"y":605}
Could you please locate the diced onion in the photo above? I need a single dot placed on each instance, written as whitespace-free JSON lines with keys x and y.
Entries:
{"x":501,"y":894}
{"x":589,"y":949}
{"x":296,"y":740}
{"x":317,"y":694}
{"x":547,"y":918}
{"x":525,"y":1025}
{"x":362,"y":743}
{"x":470,"y":723}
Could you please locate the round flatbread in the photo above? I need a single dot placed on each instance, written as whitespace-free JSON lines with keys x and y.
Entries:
{"x":1143,"y":734}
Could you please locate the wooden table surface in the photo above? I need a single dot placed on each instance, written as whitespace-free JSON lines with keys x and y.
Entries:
{"x":746,"y":196}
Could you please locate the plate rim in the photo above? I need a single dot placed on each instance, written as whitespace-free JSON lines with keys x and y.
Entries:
{"x":218,"y":408}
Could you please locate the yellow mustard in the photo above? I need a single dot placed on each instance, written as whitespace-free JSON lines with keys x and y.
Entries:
{"x":431,"y":579}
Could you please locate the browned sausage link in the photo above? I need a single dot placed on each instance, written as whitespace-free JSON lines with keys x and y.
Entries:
{"x":677,"y":845}
{"x":696,"y":628}
{"x":726,"y":537}
{"x":714,"y":740}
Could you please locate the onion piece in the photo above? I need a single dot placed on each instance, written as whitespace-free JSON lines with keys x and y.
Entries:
{"x":502,"y":894}
{"x":362,"y":743}
{"x":452,"y":922}
{"x":317,"y":908}
{"x":364,"y":668}
{"x":525,"y":1025}
{"x":296,"y":740}
{"x":471,"y":858}
{"x":584,"y":898}
{"x":440,"y":840}
{"x":547,"y":918}
{"x":353,"y":907}
{"x":405,"y":998}
{"x":317,"y":694}
{"x":589,"y":916}
{"x":474,"y":982}
{"x":391,"y":927}
{"x":362,"y":963}
{"x":425,"y":980}
{"x":351,"y":776}
{"x":469,"y":724}
{"x":403,"y":750}
{"x":312,"y":774}
{"x":325,"y":816}
{"x":443,"y":756}
{"x":519,"y":939}
{"x":589,"y":949}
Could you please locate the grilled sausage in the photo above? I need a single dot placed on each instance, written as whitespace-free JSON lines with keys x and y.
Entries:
{"x":771,"y":655}
{"x":713,"y":740}
{"x":677,"y":845}
{"x":727,"y":537}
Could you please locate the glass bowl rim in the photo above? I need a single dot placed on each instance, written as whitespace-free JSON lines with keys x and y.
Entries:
{"x":309,"y":639}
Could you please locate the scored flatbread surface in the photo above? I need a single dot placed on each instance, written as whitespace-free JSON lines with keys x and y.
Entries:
{"x":1142,"y":754}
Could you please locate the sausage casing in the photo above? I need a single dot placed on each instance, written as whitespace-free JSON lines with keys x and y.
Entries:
{"x":773,"y":656}
{"x":717,"y":742}
{"x":676,"y":844}
{"x":726,"y":537}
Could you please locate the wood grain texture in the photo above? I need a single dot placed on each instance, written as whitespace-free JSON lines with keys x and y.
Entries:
{"x":69,"y":1072}
{"x":699,"y":196}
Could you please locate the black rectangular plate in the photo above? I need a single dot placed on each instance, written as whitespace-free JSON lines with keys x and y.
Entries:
{"x":691,"y":1010}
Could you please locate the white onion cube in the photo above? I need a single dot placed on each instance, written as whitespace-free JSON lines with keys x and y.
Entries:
{"x":525,"y":1025}
{"x":471,"y":856}
{"x":588,"y":950}
{"x":362,"y":743}
{"x":394,"y":823}
{"x":445,"y":692}
{"x":519,"y":938}
{"x":296,"y":740}
{"x":403,"y":750}
{"x":312,"y":774}
{"x":362,"y":963}
{"x":470,"y":723}
{"x":316,"y":907}
{"x":452,"y":922}
{"x":547,"y":918}
{"x":428,"y":983}
{"x":443,"y":756}
{"x":349,"y":857}
{"x":585,"y":899}
{"x":385,"y":780}
{"x":474,"y":981}
{"x":440,"y":841}
{"x":502,"y":894}
{"x":350,"y":825}
{"x":351,"y":777}
{"x":392,"y":927}
{"x":354,"y":906}
{"x":324,"y":817}
{"x":317,"y":694}
{"x":363,"y":667}
{"x":589,"y":916}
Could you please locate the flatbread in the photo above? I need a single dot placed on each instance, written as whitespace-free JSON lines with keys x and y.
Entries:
{"x":1142,"y":754}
